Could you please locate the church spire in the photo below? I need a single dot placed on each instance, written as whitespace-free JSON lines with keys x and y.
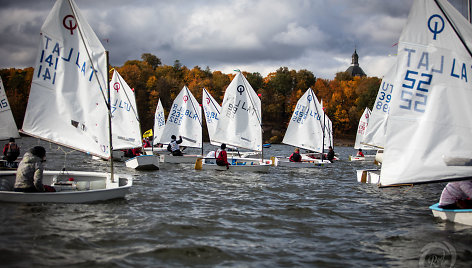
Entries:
{"x":355,"y":58}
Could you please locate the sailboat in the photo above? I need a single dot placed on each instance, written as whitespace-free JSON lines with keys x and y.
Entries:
{"x":125,"y":124}
{"x":430,"y":117}
{"x":156,"y":133}
{"x":239,"y":125}
{"x":185,"y":120}
{"x":375,"y":132}
{"x":361,"y":138}
{"x":305,"y":131}
{"x":212,"y":110}
{"x":8,"y":127}
{"x":68,"y":106}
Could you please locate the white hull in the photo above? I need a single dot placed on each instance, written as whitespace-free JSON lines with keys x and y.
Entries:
{"x":4,"y":165}
{"x":368,"y":176}
{"x":155,"y":150}
{"x":143,"y":162}
{"x":369,"y":158}
{"x":118,"y":156}
{"x":86,"y":187}
{"x":462,"y":216}
{"x":210,"y":164}
{"x":285,"y":162}
{"x":185,"y":159}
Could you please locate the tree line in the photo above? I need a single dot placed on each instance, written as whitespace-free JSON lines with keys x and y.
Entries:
{"x":344,"y":97}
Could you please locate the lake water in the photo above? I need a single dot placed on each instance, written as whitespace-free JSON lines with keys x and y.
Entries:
{"x":181,"y":217}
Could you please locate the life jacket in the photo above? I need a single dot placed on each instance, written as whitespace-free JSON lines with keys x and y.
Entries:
{"x":13,"y":150}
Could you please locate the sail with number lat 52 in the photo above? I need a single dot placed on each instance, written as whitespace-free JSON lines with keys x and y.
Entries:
{"x":430,"y":120}
{"x":67,"y":102}
{"x":240,"y":119}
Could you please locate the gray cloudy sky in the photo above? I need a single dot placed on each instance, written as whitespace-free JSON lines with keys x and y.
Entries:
{"x":251,"y":35}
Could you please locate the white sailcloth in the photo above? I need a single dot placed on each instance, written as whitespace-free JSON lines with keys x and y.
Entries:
{"x":67,"y":102}
{"x":8,"y":127}
{"x":159,"y":123}
{"x":240,"y":119}
{"x":361,"y":130}
{"x":328,"y":125}
{"x":184,"y":119}
{"x":212,"y":109}
{"x":375,"y":132}
{"x":430,"y":119}
{"x":305,"y":129}
{"x":124,"y":115}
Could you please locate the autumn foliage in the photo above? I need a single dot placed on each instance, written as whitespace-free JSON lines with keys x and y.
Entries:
{"x":344,"y":97}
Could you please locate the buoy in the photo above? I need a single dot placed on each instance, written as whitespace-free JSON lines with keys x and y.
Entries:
{"x":199,"y":164}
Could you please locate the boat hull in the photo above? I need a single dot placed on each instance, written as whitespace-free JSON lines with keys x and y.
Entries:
{"x":143,"y":162}
{"x":285,"y":162}
{"x":185,"y":159}
{"x":462,"y":216}
{"x":370,"y":158}
{"x":71,"y":187}
{"x":253,"y":166}
{"x":368,"y":176}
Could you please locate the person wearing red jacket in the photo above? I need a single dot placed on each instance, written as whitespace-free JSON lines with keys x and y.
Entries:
{"x":222,"y":157}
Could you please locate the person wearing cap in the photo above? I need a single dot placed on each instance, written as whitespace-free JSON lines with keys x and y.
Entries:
{"x":29,"y":175}
{"x":11,"y":151}
{"x":222,"y":157}
{"x":360,"y":153}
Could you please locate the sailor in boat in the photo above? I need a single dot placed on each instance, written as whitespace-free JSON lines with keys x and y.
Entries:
{"x":29,"y":176}
{"x":132,"y":152}
{"x":456,"y":195}
{"x":11,"y":151}
{"x":222,"y":159}
{"x":360,"y":153}
{"x":174,"y":146}
{"x":330,"y":155}
{"x":295,"y":156}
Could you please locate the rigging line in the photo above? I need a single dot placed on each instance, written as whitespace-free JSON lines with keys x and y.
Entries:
{"x":252,"y":102}
{"x":126,"y":94}
{"x":211,"y":100}
{"x":88,"y":53}
{"x":191,"y":101}
{"x":453,"y":27}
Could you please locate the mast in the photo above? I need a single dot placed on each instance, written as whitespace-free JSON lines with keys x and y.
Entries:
{"x":109,"y":120}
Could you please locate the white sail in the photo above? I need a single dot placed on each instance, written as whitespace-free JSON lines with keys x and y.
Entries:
{"x":8,"y":127}
{"x":159,"y":123}
{"x":240,"y":119}
{"x":375,"y":132}
{"x":361,"y":130}
{"x":212,"y":109}
{"x":328,"y":125}
{"x":305,"y":129}
{"x":124,"y":115}
{"x":67,"y":97}
{"x":184,"y":119}
{"x":430,"y":119}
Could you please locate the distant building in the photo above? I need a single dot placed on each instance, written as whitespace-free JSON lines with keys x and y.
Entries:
{"x":355,"y":69}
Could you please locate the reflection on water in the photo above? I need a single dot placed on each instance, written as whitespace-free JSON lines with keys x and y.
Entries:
{"x":183,"y":217}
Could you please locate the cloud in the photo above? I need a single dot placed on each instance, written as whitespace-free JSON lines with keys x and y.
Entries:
{"x":260,"y":35}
